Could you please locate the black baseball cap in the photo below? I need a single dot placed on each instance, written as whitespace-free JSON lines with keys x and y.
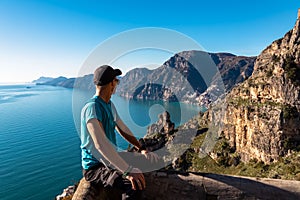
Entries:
{"x":105,"y":74}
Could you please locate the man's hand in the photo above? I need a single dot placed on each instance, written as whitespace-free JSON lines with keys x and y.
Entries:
{"x":137,"y":179}
{"x":150,"y":156}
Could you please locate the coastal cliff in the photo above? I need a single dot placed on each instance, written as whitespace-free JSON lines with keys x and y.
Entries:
{"x":187,"y":77}
{"x":261,"y":115}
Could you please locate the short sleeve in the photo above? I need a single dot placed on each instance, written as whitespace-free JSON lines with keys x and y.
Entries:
{"x":114,"y":112}
{"x":90,"y":112}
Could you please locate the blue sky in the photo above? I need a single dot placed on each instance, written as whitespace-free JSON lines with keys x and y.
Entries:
{"x":54,"y":37}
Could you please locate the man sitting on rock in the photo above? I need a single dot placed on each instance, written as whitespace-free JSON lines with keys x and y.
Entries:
{"x":102,"y":165}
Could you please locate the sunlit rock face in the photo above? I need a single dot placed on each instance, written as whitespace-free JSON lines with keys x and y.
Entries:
{"x":261,"y":118}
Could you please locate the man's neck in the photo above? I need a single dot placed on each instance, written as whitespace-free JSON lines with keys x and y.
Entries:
{"x":105,"y":96}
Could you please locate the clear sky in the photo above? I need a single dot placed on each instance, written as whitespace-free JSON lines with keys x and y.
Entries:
{"x":54,"y":37}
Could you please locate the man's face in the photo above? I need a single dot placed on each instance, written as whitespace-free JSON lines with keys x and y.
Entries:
{"x":115,"y":83}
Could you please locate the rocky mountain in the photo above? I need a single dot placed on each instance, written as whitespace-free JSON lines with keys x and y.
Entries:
{"x":59,"y":81}
{"x":85,"y":82}
{"x":190,"y":76}
{"x":131,"y":81}
{"x":43,"y":79}
{"x":233,"y":69}
{"x":260,"y":117}
{"x":175,"y":80}
{"x":186,"y":76}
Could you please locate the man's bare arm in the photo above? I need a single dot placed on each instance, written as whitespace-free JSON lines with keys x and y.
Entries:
{"x":127,"y":134}
{"x":104,"y":147}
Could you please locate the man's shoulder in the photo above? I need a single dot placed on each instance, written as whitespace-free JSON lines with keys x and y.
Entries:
{"x":88,"y":105}
{"x":94,"y":104}
{"x":91,"y":100}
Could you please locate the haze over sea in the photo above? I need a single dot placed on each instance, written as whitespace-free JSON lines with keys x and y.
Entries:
{"x":39,"y":144}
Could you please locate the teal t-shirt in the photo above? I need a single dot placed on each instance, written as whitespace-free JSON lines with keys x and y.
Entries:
{"x":107,"y":115}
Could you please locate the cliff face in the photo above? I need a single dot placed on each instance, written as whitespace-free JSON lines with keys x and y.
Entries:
{"x":261,"y":118}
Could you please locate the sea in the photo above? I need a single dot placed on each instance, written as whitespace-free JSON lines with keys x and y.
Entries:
{"x":39,"y":140}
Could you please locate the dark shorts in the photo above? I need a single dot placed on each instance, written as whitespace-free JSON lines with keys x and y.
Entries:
{"x":111,"y":180}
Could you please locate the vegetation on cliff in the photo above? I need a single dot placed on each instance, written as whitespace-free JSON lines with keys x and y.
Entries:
{"x":224,"y":160}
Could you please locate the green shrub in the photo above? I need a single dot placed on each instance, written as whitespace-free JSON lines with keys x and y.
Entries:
{"x":275,"y":58}
{"x":269,"y":73}
{"x":292,"y":70}
{"x":290,"y":112}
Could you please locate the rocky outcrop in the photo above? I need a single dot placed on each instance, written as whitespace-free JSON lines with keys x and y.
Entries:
{"x":166,"y":186}
{"x":68,"y":192}
{"x":159,"y":133}
{"x":261,"y":117}
{"x":170,"y":185}
{"x":164,"y":125}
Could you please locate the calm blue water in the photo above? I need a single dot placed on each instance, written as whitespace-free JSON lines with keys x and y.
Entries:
{"x":39,"y":142}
